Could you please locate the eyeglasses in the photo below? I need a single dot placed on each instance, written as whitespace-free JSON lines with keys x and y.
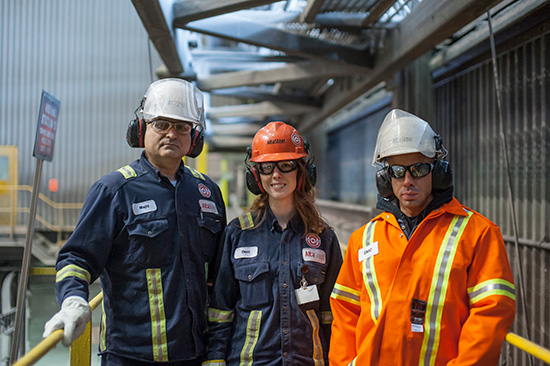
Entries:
{"x":284,"y":166}
{"x":418,"y":170}
{"x":163,"y":126}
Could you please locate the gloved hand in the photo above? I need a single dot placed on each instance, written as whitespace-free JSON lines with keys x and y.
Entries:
{"x":75,"y":313}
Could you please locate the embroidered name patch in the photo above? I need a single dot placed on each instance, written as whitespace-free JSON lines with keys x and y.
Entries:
{"x":208,"y":206}
{"x":368,"y":251}
{"x":246,"y":252}
{"x":144,"y":207}
{"x":314,"y":255}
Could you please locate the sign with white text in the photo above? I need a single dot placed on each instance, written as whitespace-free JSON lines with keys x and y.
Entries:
{"x":47,"y":126}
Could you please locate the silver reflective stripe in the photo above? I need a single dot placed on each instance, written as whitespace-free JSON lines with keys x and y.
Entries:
{"x":252,"y":334}
{"x":491,"y":287}
{"x":72,"y":270}
{"x":369,"y":275}
{"x":438,"y":289}
{"x":317,"y":346}
{"x":158,"y":319}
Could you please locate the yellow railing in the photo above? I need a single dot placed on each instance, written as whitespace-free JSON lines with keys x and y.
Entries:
{"x":60,"y":207}
{"x":81,"y":349}
{"x":529,"y":347}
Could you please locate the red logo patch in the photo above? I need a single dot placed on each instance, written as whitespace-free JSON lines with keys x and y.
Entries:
{"x":296,"y":139}
{"x":313,"y":240}
{"x":204,"y":190}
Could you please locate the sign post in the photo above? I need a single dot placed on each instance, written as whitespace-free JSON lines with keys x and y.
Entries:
{"x":43,"y":150}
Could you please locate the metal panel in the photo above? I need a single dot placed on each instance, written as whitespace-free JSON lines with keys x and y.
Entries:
{"x":93,"y":57}
{"x":467,"y":117}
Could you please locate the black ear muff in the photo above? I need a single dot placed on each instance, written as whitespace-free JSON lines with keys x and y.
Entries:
{"x":383,"y":183}
{"x":311,"y":171}
{"x":253,"y":180}
{"x":135,"y":134}
{"x":442,"y":176}
{"x":197,"y":143}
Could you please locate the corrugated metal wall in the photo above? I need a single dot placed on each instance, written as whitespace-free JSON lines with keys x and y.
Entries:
{"x":467,"y":118}
{"x":93,"y":57}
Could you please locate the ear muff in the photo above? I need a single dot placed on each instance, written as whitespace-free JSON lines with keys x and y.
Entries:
{"x":442,"y":176}
{"x":197,"y":143}
{"x":383,"y":183}
{"x":311,"y":171}
{"x":135,"y":134}
{"x":253,"y":180}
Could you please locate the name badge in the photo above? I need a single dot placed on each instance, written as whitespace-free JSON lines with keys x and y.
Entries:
{"x":246,"y":252}
{"x":144,"y":207}
{"x":368,"y":251}
{"x":208,"y":206}
{"x":314,"y":255}
{"x":306,"y":294}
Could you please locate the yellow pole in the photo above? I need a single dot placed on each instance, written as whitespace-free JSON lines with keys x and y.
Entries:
{"x":41,"y":349}
{"x":529,"y":347}
{"x":53,"y":339}
{"x":202,"y":160}
{"x":224,"y":184}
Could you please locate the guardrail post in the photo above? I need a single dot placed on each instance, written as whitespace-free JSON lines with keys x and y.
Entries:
{"x":81,"y":348}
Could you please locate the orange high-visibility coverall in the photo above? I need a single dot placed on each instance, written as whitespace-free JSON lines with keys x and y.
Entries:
{"x":455,"y":261}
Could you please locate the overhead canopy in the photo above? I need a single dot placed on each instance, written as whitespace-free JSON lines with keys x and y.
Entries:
{"x":297,"y":60}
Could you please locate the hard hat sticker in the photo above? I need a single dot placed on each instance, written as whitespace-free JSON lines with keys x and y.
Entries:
{"x":296,"y":139}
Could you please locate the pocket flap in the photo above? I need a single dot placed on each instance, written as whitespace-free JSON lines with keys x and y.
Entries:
{"x":249,"y":272}
{"x":149,"y":229}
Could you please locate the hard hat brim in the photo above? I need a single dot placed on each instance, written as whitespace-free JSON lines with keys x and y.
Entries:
{"x":278,"y":157}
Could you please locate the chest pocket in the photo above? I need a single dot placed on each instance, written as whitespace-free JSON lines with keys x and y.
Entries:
{"x":314,"y":275}
{"x":254,"y":284}
{"x":150,"y":242}
{"x":210,"y":227}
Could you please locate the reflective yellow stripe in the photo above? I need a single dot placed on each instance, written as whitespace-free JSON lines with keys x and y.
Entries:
{"x":344,"y":293}
{"x":317,"y":346}
{"x":220,"y":316}
{"x":214,"y":363}
{"x":369,"y":275}
{"x":127,"y":171}
{"x":72,"y":270}
{"x":102,"y":346}
{"x":246,"y":221}
{"x":252,"y":334}
{"x":196,"y":173}
{"x":158,"y":319}
{"x":352,"y":363}
{"x":438,"y":289}
{"x":326,"y":317}
{"x":491,"y":287}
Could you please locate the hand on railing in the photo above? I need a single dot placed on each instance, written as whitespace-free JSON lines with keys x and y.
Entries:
{"x":75,"y":313}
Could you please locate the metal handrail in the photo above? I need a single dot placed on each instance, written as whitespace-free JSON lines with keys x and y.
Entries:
{"x":529,"y":347}
{"x":53,"y":339}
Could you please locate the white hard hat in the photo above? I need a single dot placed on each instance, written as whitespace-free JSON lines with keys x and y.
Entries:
{"x":174,"y":98}
{"x":404,"y":133}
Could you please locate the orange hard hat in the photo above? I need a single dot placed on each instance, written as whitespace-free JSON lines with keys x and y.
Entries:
{"x":277,"y":141}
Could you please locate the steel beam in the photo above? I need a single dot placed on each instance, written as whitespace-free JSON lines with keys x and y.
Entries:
{"x":261,"y":95}
{"x":311,"y":10}
{"x":259,"y":110}
{"x":290,"y":72}
{"x":429,"y":24}
{"x":186,"y":11}
{"x":152,"y":17}
{"x":261,"y":28}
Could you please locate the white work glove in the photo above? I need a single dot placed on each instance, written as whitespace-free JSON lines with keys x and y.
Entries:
{"x":75,"y":313}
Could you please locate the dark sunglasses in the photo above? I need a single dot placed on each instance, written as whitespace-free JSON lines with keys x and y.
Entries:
{"x":163,"y":126}
{"x":418,"y":170}
{"x":284,"y":166}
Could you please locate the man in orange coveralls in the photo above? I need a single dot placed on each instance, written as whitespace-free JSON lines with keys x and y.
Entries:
{"x":427,"y":282}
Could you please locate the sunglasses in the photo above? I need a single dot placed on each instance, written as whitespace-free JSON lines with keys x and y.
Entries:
{"x":163,"y":126}
{"x":418,"y":170}
{"x":284,"y":166}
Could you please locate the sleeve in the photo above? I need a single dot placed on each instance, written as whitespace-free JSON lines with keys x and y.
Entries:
{"x":83,"y":257}
{"x":492,"y":302}
{"x":346,"y":305}
{"x":334,"y":264}
{"x":222,"y":305}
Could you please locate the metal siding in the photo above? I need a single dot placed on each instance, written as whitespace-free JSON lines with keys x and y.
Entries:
{"x":467,"y":117}
{"x":93,"y":57}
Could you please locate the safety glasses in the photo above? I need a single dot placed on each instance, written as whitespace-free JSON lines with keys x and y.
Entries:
{"x":163,"y":126}
{"x":418,"y":170}
{"x":284,"y":166}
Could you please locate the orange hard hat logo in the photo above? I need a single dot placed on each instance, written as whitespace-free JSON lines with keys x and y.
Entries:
{"x":277,"y":141}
